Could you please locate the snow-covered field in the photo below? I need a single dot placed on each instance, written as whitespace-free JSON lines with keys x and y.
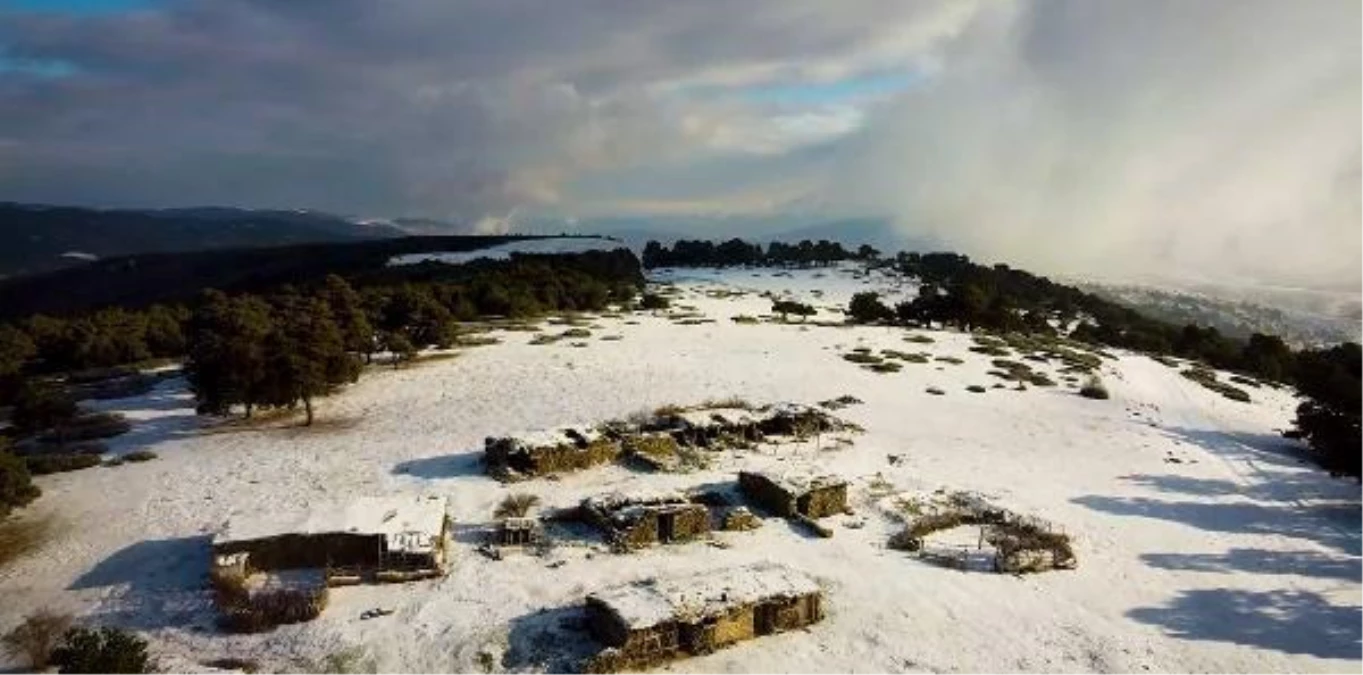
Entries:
{"x":1237,"y":557}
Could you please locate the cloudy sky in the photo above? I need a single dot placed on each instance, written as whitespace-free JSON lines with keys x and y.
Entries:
{"x":1210,"y":138}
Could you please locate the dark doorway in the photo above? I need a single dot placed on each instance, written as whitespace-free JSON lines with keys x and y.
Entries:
{"x":667,"y":527}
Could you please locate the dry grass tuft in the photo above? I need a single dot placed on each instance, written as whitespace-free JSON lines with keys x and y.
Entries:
{"x":21,"y":536}
{"x":36,"y":637}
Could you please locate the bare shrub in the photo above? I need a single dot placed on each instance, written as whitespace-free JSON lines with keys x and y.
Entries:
{"x":20,"y":537}
{"x":516,"y":505}
{"x":35,"y":639}
{"x":264,"y":610}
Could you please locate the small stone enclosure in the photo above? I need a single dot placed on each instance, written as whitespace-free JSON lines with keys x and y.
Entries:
{"x":650,"y":622}
{"x":1017,"y":543}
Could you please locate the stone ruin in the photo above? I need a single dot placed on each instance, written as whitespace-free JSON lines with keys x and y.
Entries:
{"x":518,"y":531}
{"x":650,"y":622}
{"x":541,"y":453}
{"x":1013,"y":543}
{"x":661,"y":441}
{"x":799,"y":497}
{"x":631,"y":522}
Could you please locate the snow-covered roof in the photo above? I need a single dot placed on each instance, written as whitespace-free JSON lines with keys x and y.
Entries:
{"x":800,"y":483}
{"x":648,"y":603}
{"x":548,"y":438}
{"x":408,"y":523}
{"x":708,"y":417}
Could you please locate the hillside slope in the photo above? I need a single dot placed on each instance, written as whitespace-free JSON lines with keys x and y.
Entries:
{"x":1204,"y":544}
{"x":38,"y":238}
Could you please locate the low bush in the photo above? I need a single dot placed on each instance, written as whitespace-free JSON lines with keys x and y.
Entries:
{"x":37,"y":637}
{"x":58,"y":462}
{"x":102,"y":650}
{"x":140,"y":456}
{"x":786,"y":307}
{"x":950,"y":359}
{"x":936,"y":391}
{"x":264,"y":610}
{"x":654,"y":301}
{"x":744,"y":318}
{"x":975,"y":388}
{"x":21,"y":536}
{"x":884,"y":367}
{"x":862,"y":358}
{"x":576,"y":333}
{"x":920,"y":339}
{"x":88,"y":427}
{"x":990,"y":350}
{"x":904,"y":356}
{"x":1094,"y":388}
{"x":16,"y":483}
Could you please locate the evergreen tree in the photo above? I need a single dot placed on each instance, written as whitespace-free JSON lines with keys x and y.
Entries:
{"x":226,"y":363}
{"x":866,"y":307}
{"x":306,"y":354}
{"x":40,"y":405}
{"x":348,"y":310}
{"x":165,"y":335}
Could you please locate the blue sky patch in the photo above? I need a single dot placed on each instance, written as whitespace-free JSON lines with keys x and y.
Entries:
{"x":76,"y":6}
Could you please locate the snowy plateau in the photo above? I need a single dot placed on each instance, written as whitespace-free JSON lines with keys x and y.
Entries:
{"x":1204,"y":540}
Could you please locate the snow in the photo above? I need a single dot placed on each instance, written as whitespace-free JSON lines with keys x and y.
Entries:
{"x":647,"y":603}
{"x":397,"y":518}
{"x":1240,"y":557}
{"x":504,"y":251}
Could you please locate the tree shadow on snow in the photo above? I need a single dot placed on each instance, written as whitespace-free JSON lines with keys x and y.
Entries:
{"x":550,"y":640}
{"x":442,"y":466}
{"x":1261,"y":561}
{"x":1323,"y":525}
{"x":1294,"y":622}
{"x":152,"y":584}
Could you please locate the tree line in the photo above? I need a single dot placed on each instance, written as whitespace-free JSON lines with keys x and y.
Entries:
{"x":285,"y":347}
{"x":734,"y":252}
{"x":954,"y":291}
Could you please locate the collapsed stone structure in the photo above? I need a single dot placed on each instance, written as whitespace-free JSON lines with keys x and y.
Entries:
{"x":551,"y":451}
{"x":518,"y":532}
{"x":631,"y":522}
{"x":795,"y":495}
{"x":659,"y":441}
{"x":650,"y":622}
{"x":1020,"y":544}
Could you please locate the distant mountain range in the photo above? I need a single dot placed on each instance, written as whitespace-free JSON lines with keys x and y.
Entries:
{"x":1302,"y":317}
{"x":40,"y":238}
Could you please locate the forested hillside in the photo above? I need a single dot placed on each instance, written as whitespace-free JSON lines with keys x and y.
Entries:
{"x":37,"y":238}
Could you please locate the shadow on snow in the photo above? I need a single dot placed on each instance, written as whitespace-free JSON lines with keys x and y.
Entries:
{"x":151,"y":584}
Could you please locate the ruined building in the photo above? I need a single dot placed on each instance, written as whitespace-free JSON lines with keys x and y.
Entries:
{"x":545,"y":452}
{"x":635,"y":521}
{"x":795,"y":495}
{"x":649,"y":622}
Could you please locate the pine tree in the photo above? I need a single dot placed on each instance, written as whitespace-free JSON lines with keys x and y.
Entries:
{"x":226,"y":363}
{"x":357,"y":334}
{"x":306,"y":355}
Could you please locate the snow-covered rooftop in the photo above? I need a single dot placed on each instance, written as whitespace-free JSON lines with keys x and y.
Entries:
{"x":648,"y":603}
{"x":799,"y":483}
{"x":408,"y":523}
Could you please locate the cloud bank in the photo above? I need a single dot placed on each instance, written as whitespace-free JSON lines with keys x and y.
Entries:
{"x":1216,"y":138}
{"x":1203,"y":138}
